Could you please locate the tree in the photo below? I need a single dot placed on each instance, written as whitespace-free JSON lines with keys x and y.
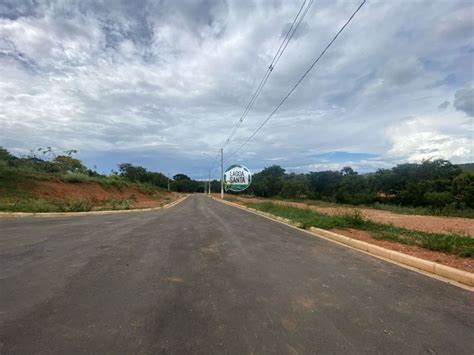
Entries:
{"x":180,"y":177}
{"x":268,"y":182}
{"x":463,"y":189}
{"x":323,"y":184}
{"x":5,"y":155}
{"x":131,"y":172}
{"x":347,"y":170}
{"x":295,"y":186}
{"x":354,"y":189}
{"x":66,"y":163}
{"x":183,"y":183}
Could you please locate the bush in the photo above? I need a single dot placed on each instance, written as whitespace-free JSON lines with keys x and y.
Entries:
{"x":76,"y":178}
{"x":355,"y":218}
{"x":75,"y":205}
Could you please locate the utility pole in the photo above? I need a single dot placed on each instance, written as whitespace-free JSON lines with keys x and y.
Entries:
{"x":168,"y":181}
{"x":212,"y":159}
{"x":222,"y":173}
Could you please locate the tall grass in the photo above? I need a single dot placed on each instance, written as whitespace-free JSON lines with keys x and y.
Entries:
{"x":457,"y":244}
{"x":36,"y":205}
{"x":108,"y":182}
{"x":27,"y":204}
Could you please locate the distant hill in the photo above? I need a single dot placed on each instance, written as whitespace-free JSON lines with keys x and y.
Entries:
{"x":469,"y":167}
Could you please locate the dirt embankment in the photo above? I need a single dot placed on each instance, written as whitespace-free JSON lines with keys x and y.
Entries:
{"x":59,"y":190}
{"x":433,"y":224}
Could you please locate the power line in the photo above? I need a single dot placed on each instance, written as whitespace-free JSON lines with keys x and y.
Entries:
{"x":289,"y":34}
{"x":214,"y":166}
{"x":298,"y":82}
{"x":291,"y":31}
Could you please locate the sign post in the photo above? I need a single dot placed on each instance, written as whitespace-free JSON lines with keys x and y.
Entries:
{"x":222,"y":173}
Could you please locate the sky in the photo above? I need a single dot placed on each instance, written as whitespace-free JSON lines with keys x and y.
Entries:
{"x":159,"y":83}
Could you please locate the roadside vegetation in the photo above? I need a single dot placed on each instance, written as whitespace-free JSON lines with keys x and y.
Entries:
{"x":457,"y":244}
{"x":21,"y":176}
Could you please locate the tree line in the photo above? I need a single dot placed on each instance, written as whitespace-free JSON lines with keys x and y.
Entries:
{"x":432,"y":183}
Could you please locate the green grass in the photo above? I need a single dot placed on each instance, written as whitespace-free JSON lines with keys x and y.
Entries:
{"x":456,"y":244}
{"x":108,"y":182}
{"x":148,"y":189}
{"x":27,"y":204}
{"x":36,"y":205}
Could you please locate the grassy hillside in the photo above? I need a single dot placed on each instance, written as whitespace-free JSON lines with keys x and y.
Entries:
{"x":22,"y":191}
{"x":37,"y":186}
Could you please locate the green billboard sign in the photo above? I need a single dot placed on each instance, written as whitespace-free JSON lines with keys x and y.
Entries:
{"x":237,"y":178}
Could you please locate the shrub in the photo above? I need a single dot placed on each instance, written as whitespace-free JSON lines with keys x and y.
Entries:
{"x":75,"y":205}
{"x":76,"y":178}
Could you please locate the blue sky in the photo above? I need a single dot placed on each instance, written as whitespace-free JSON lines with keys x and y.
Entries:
{"x":158,"y":83}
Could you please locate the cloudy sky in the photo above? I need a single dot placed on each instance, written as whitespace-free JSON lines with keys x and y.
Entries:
{"x":158,"y":83}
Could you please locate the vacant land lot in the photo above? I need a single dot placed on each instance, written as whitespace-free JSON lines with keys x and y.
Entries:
{"x":433,"y":224}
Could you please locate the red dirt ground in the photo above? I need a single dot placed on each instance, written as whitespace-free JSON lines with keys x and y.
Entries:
{"x":57,"y":190}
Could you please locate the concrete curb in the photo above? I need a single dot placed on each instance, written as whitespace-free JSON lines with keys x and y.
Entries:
{"x":69,"y":214}
{"x":428,"y":267}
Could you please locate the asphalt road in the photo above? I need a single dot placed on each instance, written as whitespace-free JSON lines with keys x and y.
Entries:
{"x":203,"y":277}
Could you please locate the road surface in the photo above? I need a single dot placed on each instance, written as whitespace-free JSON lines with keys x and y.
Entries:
{"x":204,"y":277}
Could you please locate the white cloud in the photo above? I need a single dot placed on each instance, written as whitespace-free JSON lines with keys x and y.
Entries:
{"x":171,"y":79}
{"x":430,"y":137}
